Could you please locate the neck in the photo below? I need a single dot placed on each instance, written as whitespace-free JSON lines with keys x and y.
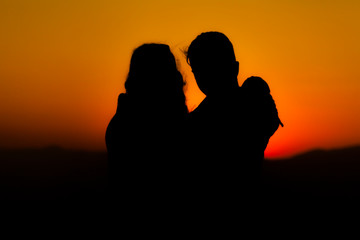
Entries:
{"x":223,"y":93}
{"x":227,"y":89}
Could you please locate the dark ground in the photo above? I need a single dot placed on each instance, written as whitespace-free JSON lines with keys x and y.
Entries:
{"x":57,"y":174}
{"x":52,"y":174}
{"x":318,"y":174}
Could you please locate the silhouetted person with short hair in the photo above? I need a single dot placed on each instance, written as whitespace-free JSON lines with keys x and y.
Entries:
{"x":257,"y":92}
{"x":144,"y":139}
{"x":228,"y":138}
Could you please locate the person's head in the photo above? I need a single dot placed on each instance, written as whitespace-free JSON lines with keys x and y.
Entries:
{"x":212,"y":59}
{"x":256,"y":85}
{"x":154,"y":76}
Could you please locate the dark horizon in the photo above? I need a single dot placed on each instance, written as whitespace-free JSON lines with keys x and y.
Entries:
{"x":54,"y":173}
{"x":54,"y":147}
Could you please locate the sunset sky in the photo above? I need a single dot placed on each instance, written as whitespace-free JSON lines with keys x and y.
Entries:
{"x":64,"y":62}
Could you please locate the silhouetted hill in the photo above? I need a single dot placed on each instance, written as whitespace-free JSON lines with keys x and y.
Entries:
{"x":318,"y":173}
{"x":52,"y":173}
{"x":55,"y":173}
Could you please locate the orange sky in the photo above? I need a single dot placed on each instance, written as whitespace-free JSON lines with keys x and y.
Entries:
{"x":63,"y":63}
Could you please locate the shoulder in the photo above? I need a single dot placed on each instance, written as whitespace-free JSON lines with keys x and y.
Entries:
{"x":123,"y":99}
{"x":120,"y":113}
{"x":201,"y":109}
{"x":116,"y":125}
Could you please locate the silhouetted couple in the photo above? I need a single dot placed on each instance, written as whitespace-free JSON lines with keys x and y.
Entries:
{"x":158,"y":152}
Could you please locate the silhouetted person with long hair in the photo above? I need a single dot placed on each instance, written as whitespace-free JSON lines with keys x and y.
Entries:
{"x":229,"y":131}
{"x":144,"y":138}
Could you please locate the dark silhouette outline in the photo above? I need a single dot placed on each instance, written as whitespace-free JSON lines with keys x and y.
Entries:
{"x":258,"y":92}
{"x":144,"y":139}
{"x":232,"y":125}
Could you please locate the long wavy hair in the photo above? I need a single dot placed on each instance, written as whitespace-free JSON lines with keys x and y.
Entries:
{"x":154,"y":77}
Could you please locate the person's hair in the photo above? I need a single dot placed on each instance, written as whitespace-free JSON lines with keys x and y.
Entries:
{"x":207,"y":44}
{"x":153,"y":74}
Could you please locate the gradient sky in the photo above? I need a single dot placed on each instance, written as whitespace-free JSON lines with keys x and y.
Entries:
{"x":63,"y":63}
